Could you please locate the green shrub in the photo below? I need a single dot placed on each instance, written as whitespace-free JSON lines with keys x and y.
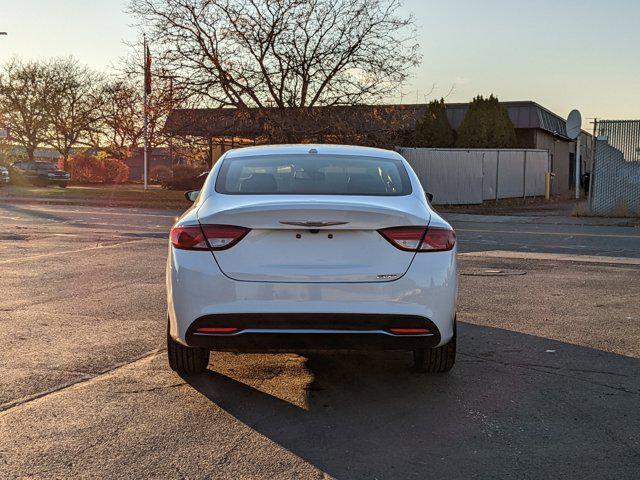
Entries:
{"x":486,"y":125}
{"x":434,"y":130}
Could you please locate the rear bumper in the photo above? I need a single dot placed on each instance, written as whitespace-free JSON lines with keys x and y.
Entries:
{"x":197,"y":292}
{"x":309,"y":331}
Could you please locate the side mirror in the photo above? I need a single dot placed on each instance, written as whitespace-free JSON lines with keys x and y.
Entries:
{"x":192,"y":195}
{"x":429,"y":196}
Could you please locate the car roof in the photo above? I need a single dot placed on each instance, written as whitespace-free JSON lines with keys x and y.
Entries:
{"x":304,"y":149}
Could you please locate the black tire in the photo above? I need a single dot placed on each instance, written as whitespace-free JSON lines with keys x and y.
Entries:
{"x":436,"y":360}
{"x":186,"y":359}
{"x":62,"y":185}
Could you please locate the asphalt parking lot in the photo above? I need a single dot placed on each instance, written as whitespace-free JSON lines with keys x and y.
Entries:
{"x":547,"y":382}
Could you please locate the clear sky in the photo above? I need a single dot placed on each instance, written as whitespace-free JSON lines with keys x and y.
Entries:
{"x":562,"y":54}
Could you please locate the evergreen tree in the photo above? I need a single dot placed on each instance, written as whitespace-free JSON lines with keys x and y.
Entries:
{"x":433,"y":130}
{"x":486,"y":125}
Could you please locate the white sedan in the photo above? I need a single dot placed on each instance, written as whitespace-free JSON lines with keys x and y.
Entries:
{"x":308,"y":247}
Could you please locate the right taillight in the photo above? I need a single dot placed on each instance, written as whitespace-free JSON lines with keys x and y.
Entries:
{"x":207,"y":237}
{"x":438,"y":239}
{"x":420,"y":239}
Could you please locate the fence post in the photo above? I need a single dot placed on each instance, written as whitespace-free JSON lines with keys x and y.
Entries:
{"x":497,"y":172}
{"x":594,"y":152}
{"x":482,"y":178}
{"x":524,"y":177}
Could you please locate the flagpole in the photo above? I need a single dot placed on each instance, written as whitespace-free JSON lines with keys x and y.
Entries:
{"x":145,"y":125}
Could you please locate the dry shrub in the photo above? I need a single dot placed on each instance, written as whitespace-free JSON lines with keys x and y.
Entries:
{"x":99,"y":168}
{"x":185,"y":177}
{"x":160,"y":174}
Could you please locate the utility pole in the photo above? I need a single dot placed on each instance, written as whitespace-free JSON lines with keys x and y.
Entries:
{"x":170,"y":110}
{"x":6,"y":131}
{"x":578,"y":165}
{"x":147,"y":90}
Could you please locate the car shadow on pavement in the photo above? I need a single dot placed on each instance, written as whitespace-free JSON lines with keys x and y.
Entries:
{"x":33,"y":213}
{"x":514,"y":405}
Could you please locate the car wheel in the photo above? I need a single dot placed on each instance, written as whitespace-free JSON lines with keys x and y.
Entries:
{"x":184,"y":359}
{"x":63,"y":185}
{"x":436,"y":360}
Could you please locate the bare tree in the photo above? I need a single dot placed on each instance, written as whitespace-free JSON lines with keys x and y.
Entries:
{"x":25,"y":89}
{"x":120,"y":118}
{"x":284,"y":53}
{"x":73,"y":110}
{"x":165,"y":96}
{"x":121,"y":111}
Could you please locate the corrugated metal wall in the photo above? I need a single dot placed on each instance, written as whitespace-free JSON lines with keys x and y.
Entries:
{"x":458,"y":177}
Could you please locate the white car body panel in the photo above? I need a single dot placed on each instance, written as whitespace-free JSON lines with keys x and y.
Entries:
{"x":202,"y":291}
{"x":272,"y":271}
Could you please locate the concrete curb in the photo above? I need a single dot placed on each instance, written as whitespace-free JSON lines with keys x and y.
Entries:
{"x":541,"y":220}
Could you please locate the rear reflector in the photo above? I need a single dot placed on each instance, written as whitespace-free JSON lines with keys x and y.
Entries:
{"x":404,"y":238}
{"x":221,"y":237}
{"x":409,"y":331}
{"x":207,"y":237}
{"x":414,"y":239}
{"x":217,"y":330}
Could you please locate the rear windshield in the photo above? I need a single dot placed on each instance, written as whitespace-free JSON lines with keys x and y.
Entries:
{"x":319,"y":175}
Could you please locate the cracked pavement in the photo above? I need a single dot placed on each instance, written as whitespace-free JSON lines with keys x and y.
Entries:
{"x":546,"y":384}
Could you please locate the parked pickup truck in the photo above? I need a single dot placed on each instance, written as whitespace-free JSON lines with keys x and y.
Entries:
{"x":38,"y":173}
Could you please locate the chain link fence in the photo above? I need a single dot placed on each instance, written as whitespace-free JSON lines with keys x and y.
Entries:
{"x":615,"y":177}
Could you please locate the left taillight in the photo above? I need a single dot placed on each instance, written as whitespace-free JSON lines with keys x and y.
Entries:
{"x":420,"y":239}
{"x":190,"y":237}
{"x":207,"y":237}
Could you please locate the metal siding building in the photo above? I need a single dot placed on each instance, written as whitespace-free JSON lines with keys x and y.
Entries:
{"x":536,"y":128}
{"x":539,"y":128}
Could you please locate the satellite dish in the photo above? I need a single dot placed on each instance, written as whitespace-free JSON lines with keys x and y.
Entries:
{"x":574,"y":124}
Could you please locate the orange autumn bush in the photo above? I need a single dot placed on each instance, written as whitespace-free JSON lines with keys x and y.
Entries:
{"x":97,"y":168}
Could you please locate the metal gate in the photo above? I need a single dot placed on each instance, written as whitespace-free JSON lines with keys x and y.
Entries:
{"x":615,"y":181}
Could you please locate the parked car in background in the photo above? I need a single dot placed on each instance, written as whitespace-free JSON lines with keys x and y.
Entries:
{"x":303,"y":247}
{"x":38,"y":173}
{"x":4,"y":176}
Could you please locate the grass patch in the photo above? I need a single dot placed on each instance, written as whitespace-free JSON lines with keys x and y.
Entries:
{"x":582,"y":210}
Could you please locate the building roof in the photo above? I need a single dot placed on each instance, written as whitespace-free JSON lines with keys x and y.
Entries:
{"x":252,"y":122}
{"x":19,"y":151}
{"x":525,"y":114}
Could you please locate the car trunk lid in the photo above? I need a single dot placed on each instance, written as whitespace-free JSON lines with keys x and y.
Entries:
{"x":298,"y":239}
